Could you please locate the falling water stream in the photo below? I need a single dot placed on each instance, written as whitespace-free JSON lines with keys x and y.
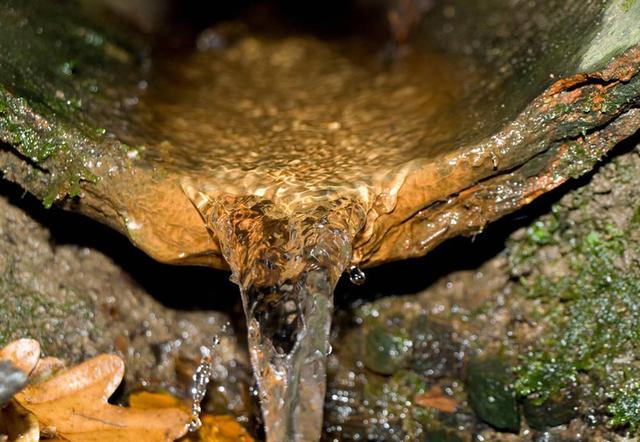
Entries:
{"x":285,"y":147}
{"x":287,"y":263}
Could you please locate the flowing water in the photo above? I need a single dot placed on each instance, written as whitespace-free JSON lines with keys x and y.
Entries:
{"x":286,"y":263}
{"x":286,"y":146}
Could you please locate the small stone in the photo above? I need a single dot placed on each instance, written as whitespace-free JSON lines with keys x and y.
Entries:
{"x":442,"y":435}
{"x":557,"y":410}
{"x":433,"y":348}
{"x":387,"y":351}
{"x":491,"y":395}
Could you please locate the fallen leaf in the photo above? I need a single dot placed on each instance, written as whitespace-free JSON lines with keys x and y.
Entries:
{"x":23,"y":354}
{"x":17,"y":424}
{"x":73,"y":405}
{"x":220,"y":429}
{"x":45,"y":368}
{"x":214,"y":428}
{"x":145,"y":400}
{"x":434,"y":398}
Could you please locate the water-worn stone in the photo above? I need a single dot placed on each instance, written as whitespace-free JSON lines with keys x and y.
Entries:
{"x":556,"y":410}
{"x":434,"y":348}
{"x":489,"y":385}
{"x":387,"y":350}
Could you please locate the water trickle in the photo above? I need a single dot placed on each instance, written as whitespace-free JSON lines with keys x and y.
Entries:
{"x":357,"y":276}
{"x":201,"y":379}
{"x":287,"y":262}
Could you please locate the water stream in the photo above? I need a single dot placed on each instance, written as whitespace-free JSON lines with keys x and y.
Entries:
{"x":286,"y":262}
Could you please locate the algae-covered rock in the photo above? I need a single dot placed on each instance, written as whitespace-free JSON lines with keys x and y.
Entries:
{"x":556,"y":410}
{"x":387,"y":351}
{"x":489,"y":386}
{"x":434,"y":348}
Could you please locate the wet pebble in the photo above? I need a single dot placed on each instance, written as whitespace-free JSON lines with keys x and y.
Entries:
{"x":491,"y":395}
{"x":434,"y":348}
{"x":557,"y":410}
{"x":387,"y":350}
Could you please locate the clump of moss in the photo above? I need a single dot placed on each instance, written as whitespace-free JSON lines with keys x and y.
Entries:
{"x":590,"y":312}
{"x":53,"y":96}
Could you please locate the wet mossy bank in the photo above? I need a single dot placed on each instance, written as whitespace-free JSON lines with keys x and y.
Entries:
{"x":537,"y":343}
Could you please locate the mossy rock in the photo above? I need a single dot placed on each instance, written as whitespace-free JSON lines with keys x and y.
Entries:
{"x":433,"y":347}
{"x":489,"y":387}
{"x":387,"y":350}
{"x":556,"y":410}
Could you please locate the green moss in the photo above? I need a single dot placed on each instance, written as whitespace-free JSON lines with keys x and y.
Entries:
{"x":57,"y":88}
{"x":626,"y":407}
{"x":627,"y":5}
{"x":593,"y":322}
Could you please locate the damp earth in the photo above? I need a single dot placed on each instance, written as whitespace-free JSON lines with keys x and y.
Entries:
{"x":305,"y":149}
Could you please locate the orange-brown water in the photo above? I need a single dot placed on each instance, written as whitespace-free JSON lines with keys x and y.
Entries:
{"x":298,"y":118}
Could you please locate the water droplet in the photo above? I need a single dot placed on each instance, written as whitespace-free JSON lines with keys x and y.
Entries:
{"x":357,"y":276}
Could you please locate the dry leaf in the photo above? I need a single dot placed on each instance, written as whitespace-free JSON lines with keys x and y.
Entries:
{"x":45,"y":368}
{"x":434,"y":398}
{"x":214,"y":428}
{"x":145,"y":400}
{"x":18,"y":424}
{"x":220,"y":429}
{"x":73,"y":404}
{"x":23,"y":354}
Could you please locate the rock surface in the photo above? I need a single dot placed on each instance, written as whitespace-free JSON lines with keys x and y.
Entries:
{"x":78,"y":303}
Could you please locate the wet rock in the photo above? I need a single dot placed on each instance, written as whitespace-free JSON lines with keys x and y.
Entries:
{"x":387,"y":350}
{"x":491,"y":395}
{"x":433,"y":348}
{"x":442,"y":436}
{"x":78,"y":303}
{"x":12,"y":380}
{"x":557,"y":410}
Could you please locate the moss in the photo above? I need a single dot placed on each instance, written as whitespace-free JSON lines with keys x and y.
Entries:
{"x":55,"y":88}
{"x":591,"y":316}
{"x":627,"y":5}
{"x":626,"y":407}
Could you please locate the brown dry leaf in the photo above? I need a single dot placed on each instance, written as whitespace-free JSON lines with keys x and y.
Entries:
{"x":18,"y":424}
{"x":434,"y":398}
{"x":23,"y":354}
{"x":214,"y":428}
{"x":45,"y":368}
{"x":73,"y":405}
{"x":220,"y":429}
{"x":145,"y":400}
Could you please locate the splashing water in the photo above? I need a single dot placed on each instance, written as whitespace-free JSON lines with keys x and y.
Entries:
{"x":286,"y":262}
{"x":201,"y":379}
